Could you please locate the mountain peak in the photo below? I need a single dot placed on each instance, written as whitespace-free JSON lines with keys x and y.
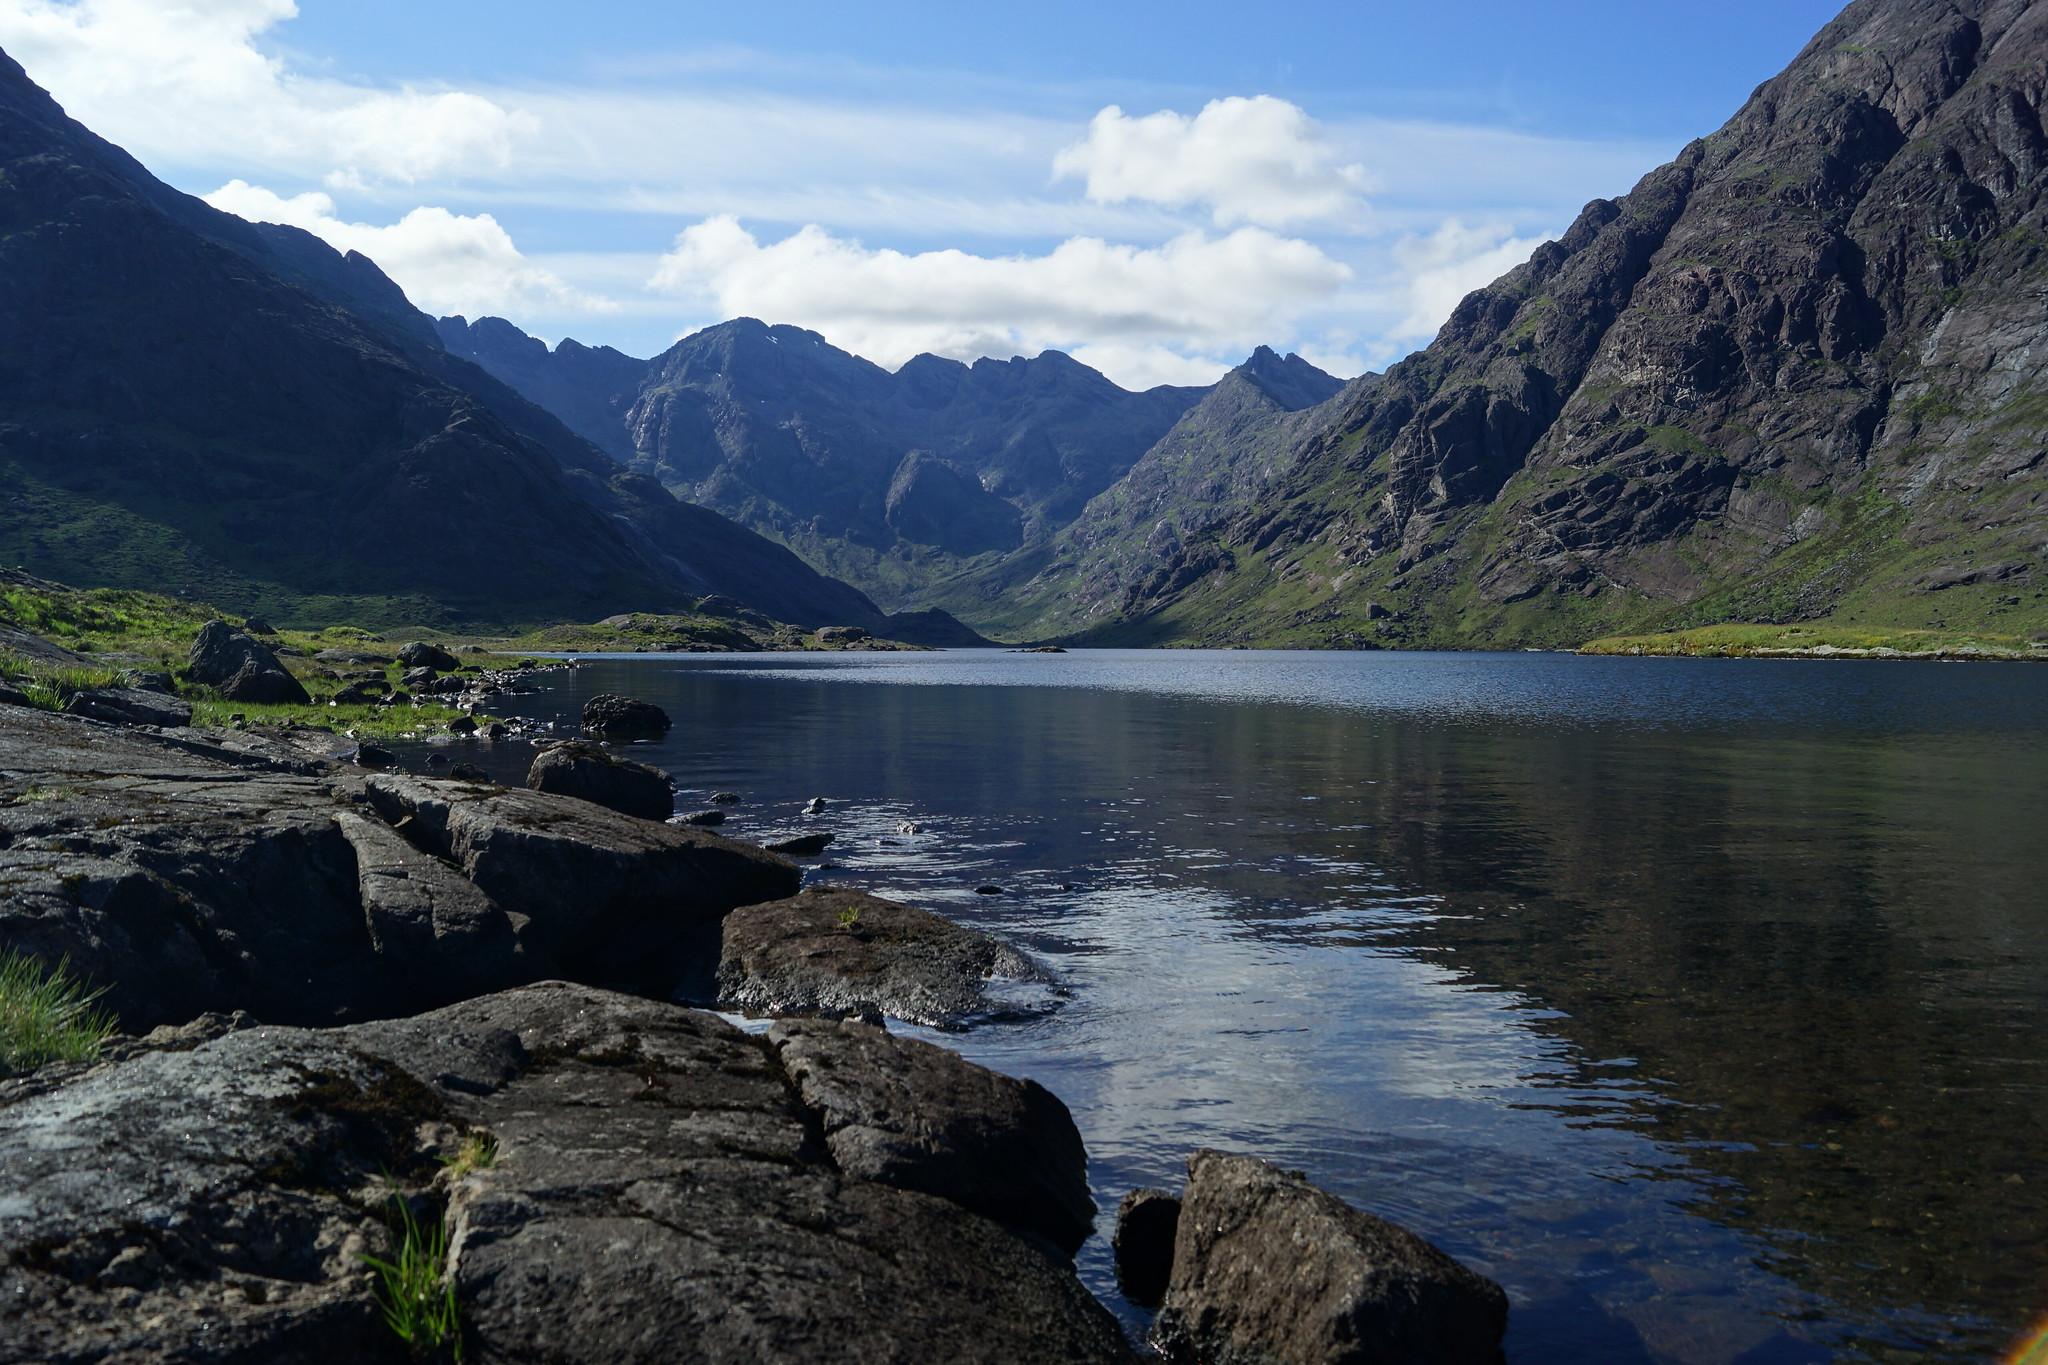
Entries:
{"x":1291,"y":382}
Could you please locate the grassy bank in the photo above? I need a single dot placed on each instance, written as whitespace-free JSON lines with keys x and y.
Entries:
{"x":1821,"y":640}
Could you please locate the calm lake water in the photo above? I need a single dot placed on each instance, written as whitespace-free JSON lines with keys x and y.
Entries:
{"x":1704,"y":1004}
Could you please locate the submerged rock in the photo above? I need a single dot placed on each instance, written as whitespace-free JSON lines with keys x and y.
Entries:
{"x":839,"y":953}
{"x":658,"y":1192}
{"x":590,"y":772}
{"x":608,"y":714}
{"x":1267,"y":1267}
{"x":802,"y":846}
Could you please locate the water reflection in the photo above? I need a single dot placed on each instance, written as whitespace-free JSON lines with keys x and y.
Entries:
{"x":1703,"y":1004}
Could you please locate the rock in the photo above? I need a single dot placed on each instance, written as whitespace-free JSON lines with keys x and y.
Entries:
{"x":659,"y":1185}
{"x":437,"y":760}
{"x":837,"y":953}
{"x":128,"y":706}
{"x":707,"y":817}
{"x":398,"y":696}
{"x":418,"y":678}
{"x":1044,"y":649}
{"x":802,"y":846}
{"x":724,"y":798}
{"x":469,"y":772}
{"x":988,"y":889}
{"x":840,"y":635}
{"x":188,"y":872}
{"x":360,"y":693}
{"x":256,"y":625}
{"x":607,"y":897}
{"x":242,"y":669}
{"x":462,"y":725}
{"x":815,"y":806}
{"x":1146,"y":1224}
{"x":1268,"y":1267}
{"x":917,"y":1116}
{"x":374,"y":756}
{"x":909,"y":827}
{"x":606,"y":714}
{"x":420,"y":654}
{"x":13,"y":696}
{"x":496,"y":730}
{"x":589,"y":772}
{"x":150,"y":680}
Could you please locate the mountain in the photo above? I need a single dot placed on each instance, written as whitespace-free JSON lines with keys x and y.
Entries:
{"x":194,"y":403}
{"x":1793,"y":374}
{"x":896,"y":482}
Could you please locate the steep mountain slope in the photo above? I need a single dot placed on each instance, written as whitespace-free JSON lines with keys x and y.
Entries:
{"x":194,"y":403}
{"x":1211,"y":466}
{"x":893,"y":481}
{"x":1795,"y":373}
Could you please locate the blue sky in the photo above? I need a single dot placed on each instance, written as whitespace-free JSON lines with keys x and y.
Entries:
{"x":1154,"y":188}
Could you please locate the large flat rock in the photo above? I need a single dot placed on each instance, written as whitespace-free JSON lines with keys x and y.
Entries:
{"x":185,"y":872}
{"x":840,"y":953}
{"x":660,"y":1193}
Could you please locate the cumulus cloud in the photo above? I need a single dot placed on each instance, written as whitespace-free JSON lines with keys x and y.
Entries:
{"x":185,"y":77}
{"x":1439,"y":269}
{"x":1189,"y":297}
{"x":446,"y":262}
{"x":1258,"y":160}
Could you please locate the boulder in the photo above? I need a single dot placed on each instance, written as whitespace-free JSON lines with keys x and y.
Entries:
{"x":150,"y":680}
{"x":706,"y":819}
{"x":658,"y":1193}
{"x":588,"y":772}
{"x":606,"y":714}
{"x":915,"y":1115}
{"x":240,"y":667}
{"x":188,"y":872}
{"x":256,"y":625}
{"x":802,"y":846}
{"x":1147,"y":1221}
{"x":838,"y":953}
{"x":418,"y":678}
{"x":420,"y":654}
{"x":1268,"y":1267}
{"x":128,"y":706}
{"x":840,"y":635}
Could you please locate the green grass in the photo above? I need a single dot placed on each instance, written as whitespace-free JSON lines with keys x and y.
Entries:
{"x":48,"y":686}
{"x":478,"y":1152}
{"x":415,"y":1289}
{"x":1730,"y":641}
{"x":365,"y":721}
{"x":47,"y":1015}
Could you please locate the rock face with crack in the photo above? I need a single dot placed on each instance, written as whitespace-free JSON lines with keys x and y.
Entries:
{"x":837,"y":952}
{"x":189,"y":873}
{"x":1267,"y":1267}
{"x":912,"y":1114}
{"x":661,"y":1191}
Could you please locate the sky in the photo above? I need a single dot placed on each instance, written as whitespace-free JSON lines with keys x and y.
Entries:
{"x":1154,"y":188}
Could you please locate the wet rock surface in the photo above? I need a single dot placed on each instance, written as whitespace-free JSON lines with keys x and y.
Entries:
{"x":912,"y":1114}
{"x":1266,"y":1267}
{"x":661,"y":1191}
{"x":190,"y":872}
{"x":841,"y":953}
{"x":589,"y":772}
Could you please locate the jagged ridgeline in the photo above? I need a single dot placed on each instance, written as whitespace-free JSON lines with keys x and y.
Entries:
{"x":193,"y":403}
{"x":1794,"y":374}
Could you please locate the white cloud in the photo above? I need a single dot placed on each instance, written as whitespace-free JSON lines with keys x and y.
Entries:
{"x":445,"y":262}
{"x":1189,"y":297}
{"x":1438,"y":270}
{"x":187,"y":77}
{"x":1258,"y":160}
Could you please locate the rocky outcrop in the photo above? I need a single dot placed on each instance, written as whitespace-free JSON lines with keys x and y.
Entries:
{"x":128,"y":706}
{"x":917,"y":1116}
{"x":623,"y":717}
{"x":1266,"y":1267}
{"x":841,"y":953}
{"x":590,"y":772}
{"x":241,"y":668}
{"x":658,"y":1188}
{"x":421,"y":654}
{"x":189,"y":872}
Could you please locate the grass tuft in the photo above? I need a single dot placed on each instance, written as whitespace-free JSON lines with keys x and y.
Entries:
{"x":47,"y":1015}
{"x":479,"y":1152}
{"x":415,"y":1289}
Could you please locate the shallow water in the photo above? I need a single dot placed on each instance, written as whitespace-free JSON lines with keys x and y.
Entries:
{"x":1704,"y":1004}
